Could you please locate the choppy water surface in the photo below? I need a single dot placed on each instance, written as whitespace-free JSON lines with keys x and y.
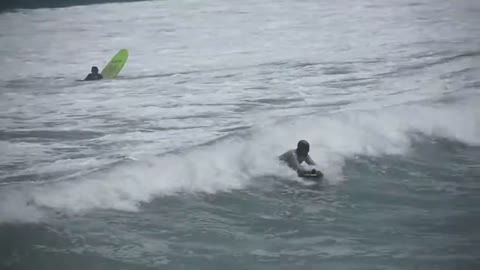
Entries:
{"x":173,"y":165}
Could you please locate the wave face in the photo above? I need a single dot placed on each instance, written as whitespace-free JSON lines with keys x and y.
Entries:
{"x":235,"y":163}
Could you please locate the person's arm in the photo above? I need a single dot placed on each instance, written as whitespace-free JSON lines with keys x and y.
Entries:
{"x":294,"y":160}
{"x":88,"y":78}
{"x":300,"y":170}
{"x":310,"y":161}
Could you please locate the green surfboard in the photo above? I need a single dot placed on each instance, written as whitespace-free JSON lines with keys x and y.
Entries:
{"x":111,"y":70}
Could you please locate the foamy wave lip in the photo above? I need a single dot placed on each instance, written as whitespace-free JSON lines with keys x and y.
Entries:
{"x":224,"y":166}
{"x":221,"y":167}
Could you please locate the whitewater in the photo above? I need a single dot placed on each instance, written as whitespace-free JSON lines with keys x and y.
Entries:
{"x":173,"y":165}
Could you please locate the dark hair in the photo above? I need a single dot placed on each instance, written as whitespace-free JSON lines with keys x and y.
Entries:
{"x":302,"y":144}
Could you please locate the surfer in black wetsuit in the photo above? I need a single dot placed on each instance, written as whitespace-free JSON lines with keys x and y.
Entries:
{"x":94,"y":75}
{"x":293,"y":158}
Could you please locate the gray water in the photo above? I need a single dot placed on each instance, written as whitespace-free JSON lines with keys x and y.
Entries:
{"x":173,"y":164}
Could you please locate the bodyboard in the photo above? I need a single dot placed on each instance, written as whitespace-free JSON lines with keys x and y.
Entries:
{"x":113,"y":68}
{"x":313,"y":175}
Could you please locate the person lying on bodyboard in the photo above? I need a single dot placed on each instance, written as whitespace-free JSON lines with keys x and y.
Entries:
{"x":295,"y":157}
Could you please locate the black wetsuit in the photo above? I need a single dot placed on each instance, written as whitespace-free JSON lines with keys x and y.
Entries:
{"x":293,"y":160}
{"x":94,"y":77}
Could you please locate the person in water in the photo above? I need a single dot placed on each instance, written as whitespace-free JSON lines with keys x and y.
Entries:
{"x":94,"y":75}
{"x":295,"y":157}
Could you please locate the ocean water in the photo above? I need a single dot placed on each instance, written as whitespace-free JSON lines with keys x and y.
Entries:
{"x":173,"y":165}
